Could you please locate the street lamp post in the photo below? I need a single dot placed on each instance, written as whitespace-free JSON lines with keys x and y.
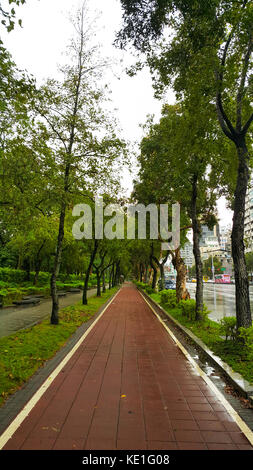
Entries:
{"x":213,"y":268}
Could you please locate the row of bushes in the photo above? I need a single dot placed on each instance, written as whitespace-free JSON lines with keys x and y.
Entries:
{"x":228,"y":328}
{"x":168,"y":298}
{"x":11,"y":292}
{"x":18,"y":276}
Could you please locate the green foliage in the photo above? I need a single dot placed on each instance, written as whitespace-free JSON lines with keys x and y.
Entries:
{"x":168,"y":298}
{"x":9,"y":14}
{"x":228,"y":327}
{"x":188,"y":308}
{"x":149,"y":290}
{"x":249,"y":262}
{"x":207,"y":266}
{"x":246,"y":334}
{"x":140,"y":285}
{"x":9,"y":275}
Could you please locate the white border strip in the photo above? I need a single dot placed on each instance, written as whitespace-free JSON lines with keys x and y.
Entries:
{"x":241,"y":424}
{"x":8,"y":433}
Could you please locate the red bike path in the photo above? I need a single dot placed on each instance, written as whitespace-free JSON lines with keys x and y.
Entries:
{"x":128,"y":386}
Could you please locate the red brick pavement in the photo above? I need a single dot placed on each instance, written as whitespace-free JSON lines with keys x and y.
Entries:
{"x":128,"y":386}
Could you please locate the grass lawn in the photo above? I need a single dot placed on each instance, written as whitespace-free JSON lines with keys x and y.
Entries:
{"x":234,"y":354}
{"x":22,"y":353}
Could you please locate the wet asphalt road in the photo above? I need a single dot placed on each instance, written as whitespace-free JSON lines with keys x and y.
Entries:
{"x":219,"y":299}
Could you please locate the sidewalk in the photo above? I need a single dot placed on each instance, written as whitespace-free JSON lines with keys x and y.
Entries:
{"x":128,"y":386}
{"x":17,"y":318}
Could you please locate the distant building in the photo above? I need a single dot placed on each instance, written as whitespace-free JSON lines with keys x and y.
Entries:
{"x":187,"y":254}
{"x":170,"y":271}
{"x":210,"y":242}
{"x":210,"y":237}
{"x":248,"y":224}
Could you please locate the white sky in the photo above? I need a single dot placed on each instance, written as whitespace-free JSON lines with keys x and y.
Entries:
{"x":39,"y":47}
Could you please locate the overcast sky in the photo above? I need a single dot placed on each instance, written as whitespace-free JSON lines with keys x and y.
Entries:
{"x":40,"y":45}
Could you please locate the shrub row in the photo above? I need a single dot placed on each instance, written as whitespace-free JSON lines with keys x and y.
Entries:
{"x":17,"y":276}
{"x":11,"y":292}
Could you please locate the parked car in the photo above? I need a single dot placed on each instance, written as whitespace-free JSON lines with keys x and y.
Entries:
{"x":168,"y":284}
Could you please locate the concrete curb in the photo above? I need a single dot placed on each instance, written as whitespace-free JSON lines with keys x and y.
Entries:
{"x":242,"y":385}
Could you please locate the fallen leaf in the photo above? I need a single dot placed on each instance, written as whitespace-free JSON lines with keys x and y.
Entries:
{"x":55,"y":429}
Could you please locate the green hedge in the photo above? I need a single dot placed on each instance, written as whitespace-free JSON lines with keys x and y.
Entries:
{"x":18,"y":276}
{"x":13,"y":291}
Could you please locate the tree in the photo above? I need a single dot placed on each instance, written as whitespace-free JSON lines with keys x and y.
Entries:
{"x":208,"y":39}
{"x":81,"y":135}
{"x":35,"y":242}
{"x":174,"y":168}
{"x":9,"y":14}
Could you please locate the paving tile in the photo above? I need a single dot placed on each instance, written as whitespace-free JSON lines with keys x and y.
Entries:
{"x":185,"y":425}
{"x":238,"y":438}
{"x":245,"y":447}
{"x":128,"y":387}
{"x":204,"y":416}
{"x":211,"y":426}
{"x":192,"y":446}
{"x":68,"y":444}
{"x":230,"y":426}
{"x":36,"y":443}
{"x":101,"y":444}
{"x":129,"y":444}
{"x":156,"y":445}
{"x":217,"y":446}
{"x":216,"y":437}
{"x":175,"y":415}
{"x":200,"y":407}
{"x":198,"y":400}
{"x":224,"y":416}
{"x":188,"y":436}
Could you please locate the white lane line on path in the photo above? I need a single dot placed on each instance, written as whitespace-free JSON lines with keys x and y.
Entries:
{"x":241,"y":424}
{"x":8,"y":433}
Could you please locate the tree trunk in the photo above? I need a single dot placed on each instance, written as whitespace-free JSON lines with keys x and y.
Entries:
{"x":98,"y":284}
{"x":117,"y":273}
{"x":38,"y":263}
{"x":243,"y":312}
{"x":37,"y":271}
{"x":196,"y":251}
{"x":154,"y":279}
{"x":104,"y":288}
{"x":161,"y":266}
{"x":27,"y":268}
{"x":56,"y":268}
{"x":181,"y":289}
{"x":110,"y":278}
{"x":87,"y":275}
{"x":140,"y":272}
{"x":146,"y":274}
